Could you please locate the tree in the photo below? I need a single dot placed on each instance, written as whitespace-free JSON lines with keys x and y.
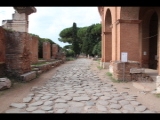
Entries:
{"x":82,"y":39}
{"x":75,"y":45}
{"x":66,"y":35}
{"x":97,"y":49}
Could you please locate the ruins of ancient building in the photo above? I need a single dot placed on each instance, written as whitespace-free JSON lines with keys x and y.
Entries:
{"x":133,"y":30}
{"x":19,"y":20}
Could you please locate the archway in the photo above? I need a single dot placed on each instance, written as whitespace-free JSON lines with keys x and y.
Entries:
{"x":108,"y":37}
{"x":153,"y":31}
{"x":149,"y":37}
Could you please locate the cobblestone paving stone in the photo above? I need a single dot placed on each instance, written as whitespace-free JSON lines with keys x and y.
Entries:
{"x":76,"y":89}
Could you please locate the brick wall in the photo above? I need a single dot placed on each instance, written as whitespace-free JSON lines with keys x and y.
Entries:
{"x":2,"y":52}
{"x":33,"y":49}
{"x":17,"y":53}
{"x":54,"y":50}
{"x":46,"y":50}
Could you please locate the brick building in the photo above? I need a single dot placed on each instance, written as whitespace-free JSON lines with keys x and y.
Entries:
{"x":135,"y":30}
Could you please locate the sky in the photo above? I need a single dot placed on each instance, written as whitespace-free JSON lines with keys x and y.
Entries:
{"x":48,"y":22}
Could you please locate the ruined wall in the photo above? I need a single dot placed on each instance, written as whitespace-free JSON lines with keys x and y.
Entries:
{"x":17,"y":53}
{"x":118,"y":70}
{"x":2,"y":52}
{"x":33,"y":46}
{"x":54,"y":50}
{"x":46,"y":50}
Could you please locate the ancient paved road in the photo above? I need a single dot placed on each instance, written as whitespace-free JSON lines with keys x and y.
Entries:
{"x":76,"y":89}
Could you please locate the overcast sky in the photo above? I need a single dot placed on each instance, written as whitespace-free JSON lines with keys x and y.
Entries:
{"x":47,"y":22}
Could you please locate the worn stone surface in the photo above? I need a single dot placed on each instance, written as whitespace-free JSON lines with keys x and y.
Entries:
{"x":48,"y":103}
{"x":115,"y":106}
{"x":18,"y":105}
{"x":46,"y":108}
{"x":90,"y":103}
{"x":5,"y":83}
{"x":76,"y":89}
{"x":13,"y":110}
{"x":68,"y":98}
{"x":30,"y":109}
{"x":135,"y":103}
{"x":140,"y":108}
{"x":27,"y":99}
{"x":123,"y":102}
{"x":61,"y":111}
{"x":60,"y":105}
{"x":36,"y":103}
{"x":115,"y":111}
{"x":60,"y":101}
{"x":76,"y":104}
{"x":74,"y":110}
{"x":28,"y":76}
{"x":103,"y":102}
{"x":129,"y":107}
{"x":81,"y":98}
{"x":101,"y":108}
{"x":39,"y":111}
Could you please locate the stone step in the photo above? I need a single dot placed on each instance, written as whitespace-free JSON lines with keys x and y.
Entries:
{"x":28,"y":76}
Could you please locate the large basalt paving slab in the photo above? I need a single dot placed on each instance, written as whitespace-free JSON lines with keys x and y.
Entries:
{"x":60,"y":105}
{"x":36,"y":103}
{"x":30,"y":109}
{"x":13,"y":110}
{"x":61,"y":111}
{"x":81,"y":98}
{"x":129,"y":108}
{"x":115,"y":106}
{"x":27,"y":99}
{"x":74,"y":110}
{"x":18,"y":105}
{"x":140,"y":108}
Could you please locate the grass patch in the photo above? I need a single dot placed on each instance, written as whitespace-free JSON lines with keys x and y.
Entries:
{"x":98,"y":60}
{"x":109,"y":74}
{"x":70,"y":59}
{"x":112,"y":79}
{"x":39,"y":63}
{"x":158,"y":95}
{"x":99,"y":67}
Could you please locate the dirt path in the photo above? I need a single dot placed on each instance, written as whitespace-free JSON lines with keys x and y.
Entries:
{"x":21,"y":90}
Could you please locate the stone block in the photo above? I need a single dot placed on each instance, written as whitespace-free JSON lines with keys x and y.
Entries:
{"x":5,"y":83}
{"x":28,"y":76}
{"x":137,"y":70}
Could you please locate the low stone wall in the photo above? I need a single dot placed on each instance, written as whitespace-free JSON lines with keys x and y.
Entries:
{"x":45,"y":67}
{"x":119,"y":69}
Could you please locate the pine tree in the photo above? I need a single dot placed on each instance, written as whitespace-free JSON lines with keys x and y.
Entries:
{"x":75,"y":45}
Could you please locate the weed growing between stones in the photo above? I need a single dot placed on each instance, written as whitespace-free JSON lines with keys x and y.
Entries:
{"x":158,"y":95}
{"x":70,"y":58}
{"x":112,"y":79}
{"x":39,"y":63}
{"x":99,"y":67}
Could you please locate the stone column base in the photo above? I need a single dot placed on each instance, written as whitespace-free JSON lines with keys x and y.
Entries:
{"x":111,"y":68}
{"x":104,"y":65}
{"x":158,"y":84}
